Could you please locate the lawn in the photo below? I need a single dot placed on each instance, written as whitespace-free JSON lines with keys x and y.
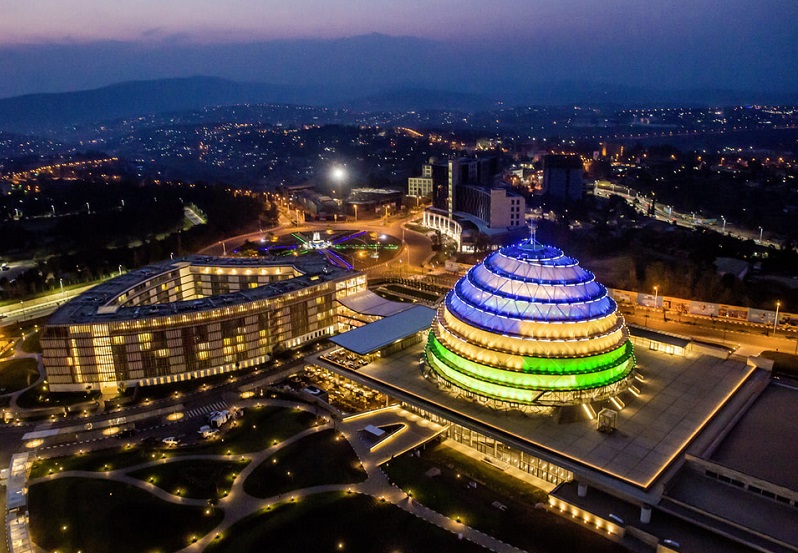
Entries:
{"x":39,"y":397}
{"x":785,"y":363}
{"x":258,"y":429}
{"x":197,"y":478}
{"x":336,"y":522}
{"x":520,"y":524}
{"x":16,"y":374}
{"x":275,"y":424}
{"x":100,"y":460}
{"x":85,"y":514}
{"x":32,"y":344}
{"x":321,"y":458}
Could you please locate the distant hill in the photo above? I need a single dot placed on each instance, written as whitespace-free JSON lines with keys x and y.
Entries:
{"x":36,"y":112}
{"x":420,"y":99}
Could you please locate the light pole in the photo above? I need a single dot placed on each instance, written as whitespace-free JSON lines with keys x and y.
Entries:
{"x":656,"y":295}
{"x":120,"y":270}
{"x":760,"y":235}
{"x":723,"y":231}
{"x":776,"y":319}
{"x":355,"y":205}
{"x":61,"y":282}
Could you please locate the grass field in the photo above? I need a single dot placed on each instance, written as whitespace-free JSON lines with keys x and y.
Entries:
{"x":337,"y":522}
{"x":98,"y":516}
{"x":102,"y":460}
{"x":197,"y":478}
{"x":16,"y":374}
{"x":32,"y":344}
{"x":259,"y":428}
{"x":785,"y":363}
{"x":318,"y":459}
{"x":520,"y":524}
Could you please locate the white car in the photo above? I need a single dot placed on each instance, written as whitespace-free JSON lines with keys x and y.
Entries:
{"x":207,"y":432}
{"x":171,"y":441}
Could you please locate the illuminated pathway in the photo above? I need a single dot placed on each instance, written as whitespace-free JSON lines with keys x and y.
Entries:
{"x":237,"y":504}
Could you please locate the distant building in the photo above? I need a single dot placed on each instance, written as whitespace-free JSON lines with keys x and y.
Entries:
{"x":731,"y":266}
{"x":473,"y":194}
{"x":373,"y":201}
{"x":563,"y":177}
{"x":497,"y":207}
{"x":432,"y":183}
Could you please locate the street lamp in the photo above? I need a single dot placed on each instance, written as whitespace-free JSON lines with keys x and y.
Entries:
{"x":61,"y":282}
{"x":723,"y":231}
{"x":760,"y":235}
{"x":120,"y":270}
{"x":656,"y":294}
{"x":776,"y":319}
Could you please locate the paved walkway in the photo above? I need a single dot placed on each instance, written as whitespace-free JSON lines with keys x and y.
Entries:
{"x":238,"y":504}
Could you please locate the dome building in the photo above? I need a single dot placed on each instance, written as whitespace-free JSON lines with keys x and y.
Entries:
{"x":528,"y":326}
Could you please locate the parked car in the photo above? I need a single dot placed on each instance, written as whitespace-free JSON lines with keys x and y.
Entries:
{"x":207,"y":432}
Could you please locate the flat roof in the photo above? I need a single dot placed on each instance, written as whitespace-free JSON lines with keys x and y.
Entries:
{"x":679,"y":396}
{"x":97,"y":303}
{"x":369,"y":303}
{"x":750,"y":510}
{"x":659,"y":336}
{"x":374,"y":336}
{"x":768,"y":430}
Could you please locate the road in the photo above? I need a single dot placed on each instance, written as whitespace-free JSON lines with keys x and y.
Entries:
{"x":749,"y":339}
{"x":418,"y":246}
{"x":38,"y":307}
{"x":667,"y":214}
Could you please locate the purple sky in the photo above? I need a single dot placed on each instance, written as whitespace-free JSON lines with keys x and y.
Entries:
{"x":673,"y":44}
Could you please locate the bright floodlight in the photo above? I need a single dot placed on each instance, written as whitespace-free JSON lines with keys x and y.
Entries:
{"x":338,"y":173}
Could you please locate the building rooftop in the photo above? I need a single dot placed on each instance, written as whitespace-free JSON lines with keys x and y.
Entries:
{"x":96,"y":305}
{"x":375,"y":336}
{"x":679,"y":396}
{"x":369,"y":303}
{"x":659,"y":336}
{"x":767,"y":431}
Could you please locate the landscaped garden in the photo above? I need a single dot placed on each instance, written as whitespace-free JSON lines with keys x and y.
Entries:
{"x":101,"y":460}
{"x":195,"y":478}
{"x":485,"y":498}
{"x":337,"y":522}
{"x":98,"y":516}
{"x":259,"y":428}
{"x":321,"y":458}
{"x":17,"y":374}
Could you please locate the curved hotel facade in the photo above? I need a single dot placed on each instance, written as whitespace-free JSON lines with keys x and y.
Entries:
{"x":528,"y":326}
{"x":191,"y":318}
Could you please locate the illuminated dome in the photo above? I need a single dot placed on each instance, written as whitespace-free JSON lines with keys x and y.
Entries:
{"x":529,"y":326}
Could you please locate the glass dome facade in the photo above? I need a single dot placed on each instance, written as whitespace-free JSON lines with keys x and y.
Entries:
{"x":529,"y":326}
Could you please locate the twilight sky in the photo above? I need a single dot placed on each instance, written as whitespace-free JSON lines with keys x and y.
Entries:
{"x":56,"y":45}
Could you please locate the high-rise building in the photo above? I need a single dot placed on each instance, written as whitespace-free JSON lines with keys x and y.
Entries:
{"x":468,"y":191}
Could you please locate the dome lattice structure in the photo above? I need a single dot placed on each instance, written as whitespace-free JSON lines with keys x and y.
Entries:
{"x":528,"y":326}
